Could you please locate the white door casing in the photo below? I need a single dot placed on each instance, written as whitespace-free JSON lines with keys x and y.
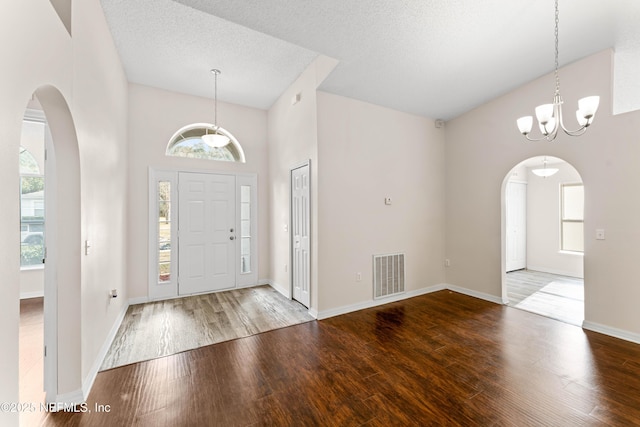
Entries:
{"x":50,"y":305}
{"x":206,"y":233}
{"x":516,"y":226}
{"x":300,"y":234}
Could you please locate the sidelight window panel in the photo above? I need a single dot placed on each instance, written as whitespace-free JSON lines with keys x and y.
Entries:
{"x":164,"y":231}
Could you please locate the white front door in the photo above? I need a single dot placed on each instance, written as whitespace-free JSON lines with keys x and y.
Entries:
{"x":301,"y":222}
{"x":206,"y":233}
{"x":516,"y":226}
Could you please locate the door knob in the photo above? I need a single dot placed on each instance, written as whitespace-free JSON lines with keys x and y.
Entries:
{"x":231,"y":237}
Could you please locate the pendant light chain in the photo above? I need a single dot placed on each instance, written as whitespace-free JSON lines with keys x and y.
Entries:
{"x":215,"y":97}
{"x":219,"y":137}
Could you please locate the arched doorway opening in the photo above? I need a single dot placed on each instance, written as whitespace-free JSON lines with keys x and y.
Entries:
{"x":62,"y":378}
{"x":543,"y":239}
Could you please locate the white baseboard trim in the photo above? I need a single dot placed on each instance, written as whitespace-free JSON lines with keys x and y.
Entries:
{"x":67,"y":401}
{"x":282,"y":289}
{"x":554,"y":271}
{"x":285,"y":293}
{"x":476,"y":294}
{"x":93,"y":372}
{"x":591,"y":326}
{"x":27,"y":295}
{"x":613,"y":332}
{"x":325,"y":314}
{"x":140,"y":300}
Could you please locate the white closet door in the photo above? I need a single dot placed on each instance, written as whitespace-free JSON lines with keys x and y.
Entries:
{"x":516,"y":226}
{"x":301,"y":222}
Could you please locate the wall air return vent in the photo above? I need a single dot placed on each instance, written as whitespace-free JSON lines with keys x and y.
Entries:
{"x":388,"y":275}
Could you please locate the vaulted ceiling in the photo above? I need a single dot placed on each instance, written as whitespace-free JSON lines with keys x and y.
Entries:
{"x":435,"y":58}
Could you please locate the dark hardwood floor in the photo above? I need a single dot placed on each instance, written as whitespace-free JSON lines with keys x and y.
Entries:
{"x":438,"y":359}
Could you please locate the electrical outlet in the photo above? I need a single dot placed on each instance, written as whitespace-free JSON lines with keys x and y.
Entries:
{"x":447,"y":262}
{"x":358,"y":277}
{"x":387,"y":200}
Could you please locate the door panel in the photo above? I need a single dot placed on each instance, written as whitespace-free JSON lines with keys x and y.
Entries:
{"x":516,"y":226}
{"x":301,"y":220}
{"x":206,"y":233}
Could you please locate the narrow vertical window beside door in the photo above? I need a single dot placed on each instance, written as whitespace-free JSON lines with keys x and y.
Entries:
{"x":245,"y":229}
{"x":164,"y":231}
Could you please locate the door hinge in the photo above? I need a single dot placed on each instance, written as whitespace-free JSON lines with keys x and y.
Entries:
{"x":45,"y":351}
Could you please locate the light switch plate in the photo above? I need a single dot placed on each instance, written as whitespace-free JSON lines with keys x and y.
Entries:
{"x":600,"y":234}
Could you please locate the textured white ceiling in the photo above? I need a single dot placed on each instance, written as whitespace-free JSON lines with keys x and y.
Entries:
{"x":436,"y":58}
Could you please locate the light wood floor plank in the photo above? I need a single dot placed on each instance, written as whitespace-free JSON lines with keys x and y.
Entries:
{"x":162,"y":328}
{"x":547,"y":294}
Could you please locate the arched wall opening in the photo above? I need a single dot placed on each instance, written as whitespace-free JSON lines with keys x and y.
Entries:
{"x":62,"y":319}
{"x":542,"y":227}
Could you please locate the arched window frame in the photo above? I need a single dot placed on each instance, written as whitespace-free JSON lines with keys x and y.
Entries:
{"x":195,"y":131}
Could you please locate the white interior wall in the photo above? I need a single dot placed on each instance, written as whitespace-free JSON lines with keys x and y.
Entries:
{"x":484,"y":144}
{"x":543,"y":223}
{"x":154,"y":116}
{"x":31,"y":283}
{"x":293,"y":140}
{"x":38,"y":51}
{"x":519,"y":174}
{"x":367,"y":153}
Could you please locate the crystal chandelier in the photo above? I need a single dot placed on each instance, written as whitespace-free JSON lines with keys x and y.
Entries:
{"x":550,"y":115}
{"x":215,"y":139}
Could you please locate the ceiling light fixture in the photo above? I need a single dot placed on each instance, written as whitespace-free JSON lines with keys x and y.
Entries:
{"x":215,"y":139}
{"x":544,"y":172}
{"x":550,"y":115}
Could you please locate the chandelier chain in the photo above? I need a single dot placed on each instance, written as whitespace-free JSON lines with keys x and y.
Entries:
{"x":556,"y":35}
{"x":550,"y":115}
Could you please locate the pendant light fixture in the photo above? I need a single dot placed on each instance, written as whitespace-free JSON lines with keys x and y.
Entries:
{"x":215,"y":139}
{"x":550,"y":115}
{"x":544,"y":171}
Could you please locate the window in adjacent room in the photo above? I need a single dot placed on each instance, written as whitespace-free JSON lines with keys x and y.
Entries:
{"x":572,"y":217}
{"x":32,"y":215}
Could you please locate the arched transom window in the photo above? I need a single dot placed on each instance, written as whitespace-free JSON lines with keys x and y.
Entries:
{"x":187,"y":142}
